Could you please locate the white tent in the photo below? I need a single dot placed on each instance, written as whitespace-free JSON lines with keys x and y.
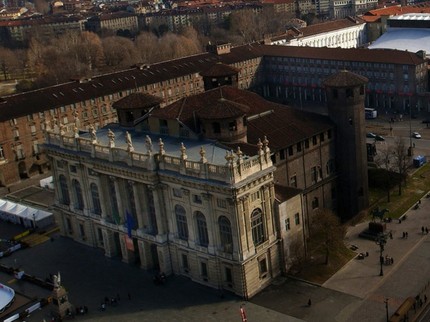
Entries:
{"x":24,"y":215}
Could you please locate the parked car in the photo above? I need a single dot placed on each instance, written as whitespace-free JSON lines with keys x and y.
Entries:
{"x":416,"y":135}
{"x":374,"y":136}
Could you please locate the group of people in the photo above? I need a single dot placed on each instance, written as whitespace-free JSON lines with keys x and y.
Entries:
{"x":113,"y":301}
{"x":405,"y":235}
{"x":424,"y":230}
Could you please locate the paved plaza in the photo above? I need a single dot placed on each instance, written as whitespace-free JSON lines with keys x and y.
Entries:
{"x":355,"y":293}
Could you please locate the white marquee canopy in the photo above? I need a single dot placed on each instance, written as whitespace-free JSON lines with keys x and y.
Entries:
{"x":24,"y":215}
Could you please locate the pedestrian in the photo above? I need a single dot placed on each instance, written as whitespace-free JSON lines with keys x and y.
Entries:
{"x":309,"y":302}
{"x":404,"y":235}
{"x":400,"y":221}
{"x":427,"y":231}
{"x":367,"y":254}
{"x":391,"y":235}
{"x":422,"y":230}
{"x":392,"y":261}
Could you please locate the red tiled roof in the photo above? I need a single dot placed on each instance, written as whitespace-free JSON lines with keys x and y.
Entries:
{"x":220,"y":70}
{"x":18,"y":105}
{"x":330,"y":26}
{"x":137,"y":101}
{"x":345,"y":79}
{"x":387,"y":56}
{"x":222,"y":109}
{"x":282,"y":125}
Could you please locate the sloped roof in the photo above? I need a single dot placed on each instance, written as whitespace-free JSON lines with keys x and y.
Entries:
{"x":137,"y":101}
{"x":219,"y":70}
{"x":282,"y":125}
{"x":345,"y":78}
{"x":222,"y":109}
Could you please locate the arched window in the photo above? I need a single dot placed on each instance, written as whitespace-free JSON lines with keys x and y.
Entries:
{"x":78,"y":193}
{"x":225,"y":234}
{"x":65,"y":198}
{"x":97,"y":209}
{"x":257,"y":227}
{"x":202,"y":229}
{"x":181,"y":222}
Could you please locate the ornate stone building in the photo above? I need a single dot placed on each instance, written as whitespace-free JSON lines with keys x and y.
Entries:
{"x":179,"y":205}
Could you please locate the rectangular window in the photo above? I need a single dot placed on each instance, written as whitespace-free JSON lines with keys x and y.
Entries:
{"x":297,"y":219}
{"x":322,"y":137}
{"x":185,"y":262}
{"x":282,"y":154}
{"x":262,"y":265}
{"x":287,"y":224}
{"x":221,"y":203}
{"x":100,"y":236}
{"x":73,"y":169}
{"x":293,"y":181}
{"x":228,"y":275}
{"x":314,"y":174}
{"x":307,"y":144}
{"x":204,"y":269}
{"x":33,"y":129}
{"x":177,"y":192}
{"x":82,"y":231}
{"x":69,"y":226}
{"x":16,"y":134}
{"x":290,"y":151}
{"x":255,"y":196}
{"x":314,"y":140}
{"x":197,"y":199}
{"x":299,"y":147}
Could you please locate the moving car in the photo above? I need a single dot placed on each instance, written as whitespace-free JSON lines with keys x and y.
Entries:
{"x":416,"y":135}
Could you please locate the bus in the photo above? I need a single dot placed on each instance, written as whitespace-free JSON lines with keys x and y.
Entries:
{"x":370,"y":113}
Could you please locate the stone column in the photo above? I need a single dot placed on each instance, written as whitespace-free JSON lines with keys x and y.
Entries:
{"x":109,"y":243}
{"x":136,"y":198}
{"x":145,"y":255}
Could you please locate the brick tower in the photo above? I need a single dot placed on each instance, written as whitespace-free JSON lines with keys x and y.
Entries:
{"x":345,"y":99}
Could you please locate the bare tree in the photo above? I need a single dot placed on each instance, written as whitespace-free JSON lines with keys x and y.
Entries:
{"x":119,"y":52}
{"x":401,"y":161}
{"x":10,"y":65}
{"x":384,"y":160}
{"x":326,"y":234}
{"x":147,"y":46}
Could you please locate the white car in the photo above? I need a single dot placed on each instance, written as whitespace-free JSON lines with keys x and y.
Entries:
{"x":416,"y":135}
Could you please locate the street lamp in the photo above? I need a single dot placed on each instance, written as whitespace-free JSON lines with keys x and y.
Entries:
{"x":381,"y":241}
{"x":410,"y":130}
{"x":386,"y":308}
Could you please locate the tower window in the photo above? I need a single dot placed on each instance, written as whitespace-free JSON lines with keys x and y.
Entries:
{"x":349,"y":92}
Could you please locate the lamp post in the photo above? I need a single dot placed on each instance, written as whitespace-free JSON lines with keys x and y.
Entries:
{"x":34,"y":221}
{"x":381,"y":241}
{"x":386,"y":308}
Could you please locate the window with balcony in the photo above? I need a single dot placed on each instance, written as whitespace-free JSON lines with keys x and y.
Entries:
{"x":97,"y":209}
{"x":79,"y":204}
{"x":64,"y":189}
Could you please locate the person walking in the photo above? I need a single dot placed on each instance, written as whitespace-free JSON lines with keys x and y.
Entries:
{"x":427,"y":231}
{"x":309,"y":302}
{"x":422,"y":230}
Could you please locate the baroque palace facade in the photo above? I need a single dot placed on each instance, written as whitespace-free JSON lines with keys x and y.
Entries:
{"x":191,"y":188}
{"x":398,"y":81}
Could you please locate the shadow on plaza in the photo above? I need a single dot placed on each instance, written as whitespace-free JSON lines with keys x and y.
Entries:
{"x":89,"y":277}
